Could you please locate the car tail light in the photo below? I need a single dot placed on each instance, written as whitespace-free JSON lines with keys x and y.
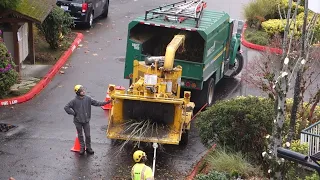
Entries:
{"x":187,"y":84}
{"x":84,"y":7}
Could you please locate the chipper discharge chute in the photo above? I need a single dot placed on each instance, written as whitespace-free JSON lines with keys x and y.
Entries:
{"x":151,"y":110}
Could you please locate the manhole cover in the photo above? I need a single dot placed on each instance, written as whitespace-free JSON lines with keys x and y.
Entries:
{"x":6,"y":127}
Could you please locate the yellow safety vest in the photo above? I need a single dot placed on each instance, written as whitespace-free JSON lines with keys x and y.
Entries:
{"x":141,"y":171}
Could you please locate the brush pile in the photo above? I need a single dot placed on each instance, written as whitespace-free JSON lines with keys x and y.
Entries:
{"x":143,"y":130}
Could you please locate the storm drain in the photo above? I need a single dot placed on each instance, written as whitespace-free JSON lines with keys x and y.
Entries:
{"x":6,"y":127}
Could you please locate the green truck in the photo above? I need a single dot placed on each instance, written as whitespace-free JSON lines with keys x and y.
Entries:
{"x":212,"y":50}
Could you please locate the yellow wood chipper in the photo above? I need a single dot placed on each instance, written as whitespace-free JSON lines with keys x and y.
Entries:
{"x":151,"y":110}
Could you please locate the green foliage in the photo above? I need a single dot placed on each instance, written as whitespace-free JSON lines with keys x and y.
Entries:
{"x":257,"y":11}
{"x":291,"y":168}
{"x":9,"y":4}
{"x":298,"y":147}
{"x":8,"y":76}
{"x":213,"y":175}
{"x":277,"y":26}
{"x":233,"y":164}
{"x":284,"y":4}
{"x":257,"y":36}
{"x":302,"y":115}
{"x":316,"y":28}
{"x":314,"y":176}
{"x":239,"y":123}
{"x":57,"y":24}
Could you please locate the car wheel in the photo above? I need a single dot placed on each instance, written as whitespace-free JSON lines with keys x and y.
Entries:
{"x":90,"y":21}
{"x":105,"y":10}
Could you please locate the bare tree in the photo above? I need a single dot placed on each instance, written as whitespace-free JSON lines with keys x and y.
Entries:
{"x":277,"y":84}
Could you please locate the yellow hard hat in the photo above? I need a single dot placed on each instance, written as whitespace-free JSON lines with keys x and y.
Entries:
{"x":138,"y":155}
{"x":77,"y":87}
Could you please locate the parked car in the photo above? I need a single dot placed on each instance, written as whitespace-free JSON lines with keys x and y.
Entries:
{"x":85,"y":11}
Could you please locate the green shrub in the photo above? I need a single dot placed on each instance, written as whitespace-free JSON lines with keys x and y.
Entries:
{"x":57,"y":24}
{"x":9,"y":4}
{"x":234,"y":164}
{"x":242,"y":123}
{"x":213,"y":175}
{"x":314,"y":176}
{"x":277,"y":26}
{"x":291,"y":168}
{"x":239,"y":123}
{"x":8,"y":76}
{"x":284,"y":4}
{"x":257,"y":11}
{"x":316,"y":28}
{"x":257,"y":36}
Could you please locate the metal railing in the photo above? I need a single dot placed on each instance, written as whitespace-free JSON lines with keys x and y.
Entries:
{"x":311,"y":136}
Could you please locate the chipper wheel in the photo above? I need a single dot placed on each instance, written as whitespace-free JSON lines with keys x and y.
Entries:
{"x":184,"y":138}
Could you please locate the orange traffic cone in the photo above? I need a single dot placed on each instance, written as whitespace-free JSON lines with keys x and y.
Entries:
{"x":76,"y":146}
{"x":107,"y":106}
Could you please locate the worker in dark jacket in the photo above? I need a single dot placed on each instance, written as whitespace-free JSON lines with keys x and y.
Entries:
{"x":80,"y":108}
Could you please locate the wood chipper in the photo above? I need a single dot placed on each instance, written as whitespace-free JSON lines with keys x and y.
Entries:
{"x":176,"y":54}
{"x":151,"y":110}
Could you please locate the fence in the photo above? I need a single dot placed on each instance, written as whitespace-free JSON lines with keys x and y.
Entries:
{"x":311,"y":136}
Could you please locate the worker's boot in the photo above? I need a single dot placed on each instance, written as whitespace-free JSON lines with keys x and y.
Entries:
{"x":90,"y":151}
{"x":81,"y":151}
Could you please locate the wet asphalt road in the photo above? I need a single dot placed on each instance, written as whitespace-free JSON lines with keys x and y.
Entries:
{"x":40,"y":147}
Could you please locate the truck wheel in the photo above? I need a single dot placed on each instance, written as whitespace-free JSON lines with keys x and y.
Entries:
{"x":238,"y":64}
{"x":184,"y":138}
{"x":205,"y":96}
{"x":210,"y":93}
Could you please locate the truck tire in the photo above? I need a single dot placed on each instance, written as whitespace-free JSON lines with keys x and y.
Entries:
{"x":238,"y":64}
{"x":205,"y":96}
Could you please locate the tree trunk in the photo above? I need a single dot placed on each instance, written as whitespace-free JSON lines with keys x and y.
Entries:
{"x":313,"y":107}
{"x":297,"y":86}
{"x":281,"y":87}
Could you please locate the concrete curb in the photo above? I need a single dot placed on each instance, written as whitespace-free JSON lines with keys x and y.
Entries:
{"x":256,"y":46}
{"x":46,"y":79}
{"x":193,"y":173}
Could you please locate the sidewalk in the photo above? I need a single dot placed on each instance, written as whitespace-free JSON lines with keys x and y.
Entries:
{"x":34,"y":78}
{"x":30,"y":76}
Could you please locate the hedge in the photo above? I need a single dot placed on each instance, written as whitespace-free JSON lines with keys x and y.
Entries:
{"x":242,"y":123}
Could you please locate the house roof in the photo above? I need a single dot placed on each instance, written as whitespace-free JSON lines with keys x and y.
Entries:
{"x":37,"y":10}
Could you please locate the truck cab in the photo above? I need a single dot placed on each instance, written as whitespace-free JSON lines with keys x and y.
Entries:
{"x":211,"y":50}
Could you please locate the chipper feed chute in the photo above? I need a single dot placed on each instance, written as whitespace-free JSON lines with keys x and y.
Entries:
{"x":151,"y":109}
